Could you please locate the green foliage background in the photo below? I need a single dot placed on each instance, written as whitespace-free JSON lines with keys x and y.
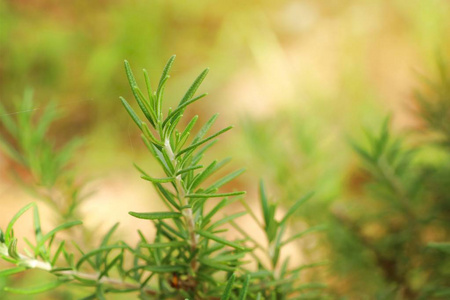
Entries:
{"x":299,"y":79}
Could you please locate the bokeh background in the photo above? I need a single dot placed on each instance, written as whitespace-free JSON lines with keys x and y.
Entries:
{"x":298,"y":79}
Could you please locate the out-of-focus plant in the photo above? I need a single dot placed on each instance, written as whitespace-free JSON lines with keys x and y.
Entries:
{"x":40,"y":166}
{"x":277,"y":279}
{"x":188,"y":258}
{"x":401,"y":218}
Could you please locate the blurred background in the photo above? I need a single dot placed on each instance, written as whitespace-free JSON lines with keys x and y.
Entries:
{"x":298,"y":79}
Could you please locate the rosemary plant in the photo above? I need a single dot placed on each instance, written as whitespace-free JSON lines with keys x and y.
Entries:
{"x":41,"y":168}
{"x":407,"y":188}
{"x":189,"y":257}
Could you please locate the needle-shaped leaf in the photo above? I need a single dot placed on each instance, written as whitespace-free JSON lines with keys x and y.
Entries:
{"x":195,"y":145}
{"x":12,"y":249}
{"x":131,"y":113}
{"x":227,"y":292}
{"x":296,"y":206}
{"x":165,"y":268}
{"x":194,"y":87}
{"x":180,"y":109}
{"x":218,"y":207}
{"x":34,"y":290}
{"x":225,"y":179}
{"x":105,"y":241}
{"x":167,"y":195}
{"x":12,"y":271}
{"x":8,"y":233}
{"x":201,"y":133}
{"x":264,"y":203}
{"x":189,"y":169}
{"x":244,"y":290}
{"x":164,"y":245}
{"x":166,"y":70}
{"x":217,"y":265}
{"x":155,"y":215}
{"x":301,"y":234}
{"x":51,"y":233}
{"x":133,"y":85}
{"x":7,"y":121}
{"x":199,"y":195}
{"x":202,"y":176}
{"x":94,"y":252}
{"x":37,"y":228}
{"x":158,"y":180}
{"x":220,"y":240}
{"x":226,"y":219}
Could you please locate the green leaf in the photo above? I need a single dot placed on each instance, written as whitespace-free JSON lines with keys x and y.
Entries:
{"x":165,"y":268}
{"x":381,"y":143}
{"x":166,"y":70}
{"x":111,"y":264}
{"x":193,"y":146}
{"x":58,"y":252}
{"x":186,"y":132}
{"x":201,"y":133}
{"x":131,"y":113}
{"x":7,"y":121}
{"x":296,"y":206}
{"x":303,"y":267}
{"x":444,"y":247}
{"x":203,"y":175}
{"x":51,"y":233}
{"x":244,"y":290}
{"x":37,"y":228}
{"x":158,"y":180}
{"x":35,"y":290}
{"x":174,"y":114}
{"x":133,"y":85}
{"x":219,"y":206}
{"x":363,"y":153}
{"x":8,"y":272}
{"x":213,"y":237}
{"x":215,"y":195}
{"x":155,"y":215}
{"x":227,"y":292}
{"x":146,"y":131}
{"x":149,"y":112}
{"x":264,"y":203}
{"x":225,"y":179}
{"x":226,"y":220}
{"x":228,"y":257}
{"x":189,"y":169}
{"x":216,"y":265}
{"x":11,"y":152}
{"x":9,"y":228}
{"x":301,"y":234}
{"x":149,"y":88}
{"x":94,"y":252}
{"x":164,"y":245}
{"x":195,"y":85}
{"x":166,"y":195}
{"x":105,"y":242}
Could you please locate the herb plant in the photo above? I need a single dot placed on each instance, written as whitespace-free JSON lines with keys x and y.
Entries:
{"x":406,"y":186}
{"x":43,"y":169}
{"x":189,"y":257}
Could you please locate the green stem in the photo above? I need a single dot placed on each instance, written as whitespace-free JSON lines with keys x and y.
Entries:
{"x":186,"y":210}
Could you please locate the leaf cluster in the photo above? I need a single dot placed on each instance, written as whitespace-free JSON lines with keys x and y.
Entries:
{"x":193,"y":255}
{"x":407,"y":193}
{"x":40,"y":166}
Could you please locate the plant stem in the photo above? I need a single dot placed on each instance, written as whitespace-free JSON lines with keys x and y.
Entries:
{"x":186,"y":210}
{"x":105,"y":280}
{"x":33,"y":263}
